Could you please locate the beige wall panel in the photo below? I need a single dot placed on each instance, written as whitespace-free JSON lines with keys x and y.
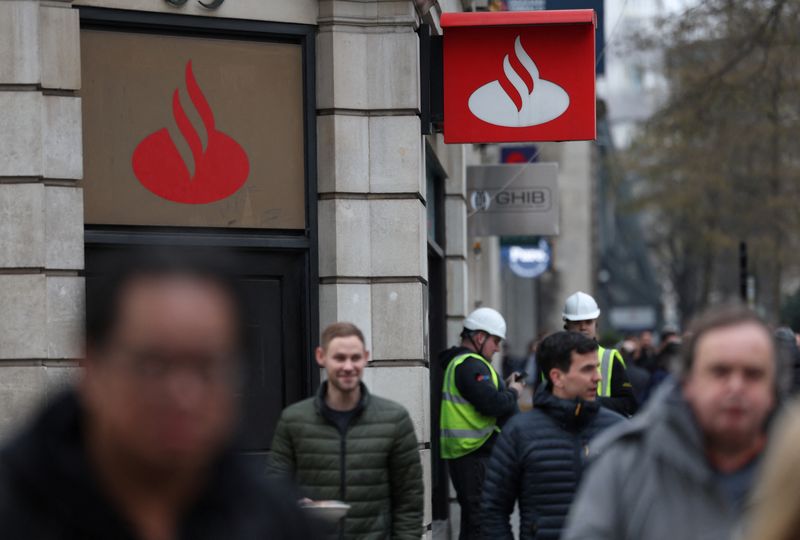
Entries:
{"x":255,"y":93}
{"x":290,"y":11}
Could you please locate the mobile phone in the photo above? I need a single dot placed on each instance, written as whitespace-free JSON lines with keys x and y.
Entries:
{"x":520,"y":376}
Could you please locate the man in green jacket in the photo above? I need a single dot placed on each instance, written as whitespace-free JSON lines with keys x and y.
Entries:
{"x":348,"y":445}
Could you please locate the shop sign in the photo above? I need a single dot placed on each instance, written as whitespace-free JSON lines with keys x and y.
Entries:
{"x":513,"y":199}
{"x":633,"y":317}
{"x":192,"y":131}
{"x":519,"y":154}
{"x":519,"y":76}
{"x":533,"y":5}
{"x":527,"y":261}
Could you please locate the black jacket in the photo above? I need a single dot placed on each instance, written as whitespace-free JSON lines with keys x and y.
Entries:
{"x":622,"y":399}
{"x":48,"y":491}
{"x":474,"y":381}
{"x":538,"y":459}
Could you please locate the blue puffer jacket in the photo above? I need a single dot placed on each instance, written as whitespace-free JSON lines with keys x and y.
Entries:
{"x":538,"y":459}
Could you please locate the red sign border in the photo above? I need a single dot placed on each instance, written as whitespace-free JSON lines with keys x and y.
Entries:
{"x":465,"y":22}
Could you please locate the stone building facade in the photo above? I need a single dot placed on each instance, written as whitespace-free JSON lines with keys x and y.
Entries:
{"x":380,"y":239}
{"x":371,"y":237}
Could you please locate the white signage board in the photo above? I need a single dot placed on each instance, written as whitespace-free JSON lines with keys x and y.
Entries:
{"x":513,"y":200}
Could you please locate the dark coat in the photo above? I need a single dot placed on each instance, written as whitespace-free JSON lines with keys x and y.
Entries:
{"x":538,"y":459}
{"x":48,"y":491}
{"x":374,"y":465}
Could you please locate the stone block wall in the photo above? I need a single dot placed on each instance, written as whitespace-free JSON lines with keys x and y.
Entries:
{"x":372,"y":217}
{"x":41,"y":208}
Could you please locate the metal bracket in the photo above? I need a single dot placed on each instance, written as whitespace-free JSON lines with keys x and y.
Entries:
{"x":431,"y":81}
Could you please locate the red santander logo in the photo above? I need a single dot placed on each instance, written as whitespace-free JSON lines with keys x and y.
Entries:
{"x":519,"y":76}
{"x":220,"y":169}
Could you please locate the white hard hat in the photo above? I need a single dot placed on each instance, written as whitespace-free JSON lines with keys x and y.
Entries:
{"x":580,"y":307}
{"x":487,"y":319}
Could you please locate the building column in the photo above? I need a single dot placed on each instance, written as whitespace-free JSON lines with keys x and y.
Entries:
{"x":372,"y":220}
{"x":41,"y":207}
{"x":575,"y":247}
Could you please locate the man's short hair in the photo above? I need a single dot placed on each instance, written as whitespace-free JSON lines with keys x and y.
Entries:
{"x":215,"y":267}
{"x":716,"y":317}
{"x":340,"y":330}
{"x":555,"y":351}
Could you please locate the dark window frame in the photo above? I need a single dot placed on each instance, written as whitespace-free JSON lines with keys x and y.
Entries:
{"x":437,"y":325}
{"x":303,"y":240}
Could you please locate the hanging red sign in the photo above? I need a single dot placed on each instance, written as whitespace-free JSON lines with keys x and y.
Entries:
{"x":519,"y":76}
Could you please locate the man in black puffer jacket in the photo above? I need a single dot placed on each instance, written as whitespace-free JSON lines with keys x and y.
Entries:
{"x":539,"y":456}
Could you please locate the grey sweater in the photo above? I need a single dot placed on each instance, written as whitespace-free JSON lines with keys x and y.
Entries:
{"x":650,"y":480}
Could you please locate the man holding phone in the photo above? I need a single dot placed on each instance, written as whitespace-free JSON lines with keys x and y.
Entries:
{"x":475,"y":405}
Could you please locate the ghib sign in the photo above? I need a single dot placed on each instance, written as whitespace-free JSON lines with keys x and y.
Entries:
{"x":519,"y":76}
{"x":511,"y":200}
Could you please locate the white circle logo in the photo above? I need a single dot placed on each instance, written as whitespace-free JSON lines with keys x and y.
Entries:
{"x":541,"y":103}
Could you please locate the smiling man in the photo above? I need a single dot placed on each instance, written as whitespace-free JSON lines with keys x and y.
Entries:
{"x":683,"y":469}
{"x":539,"y":456}
{"x":349,"y":445}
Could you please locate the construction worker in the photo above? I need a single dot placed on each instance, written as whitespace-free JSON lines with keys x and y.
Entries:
{"x":614,"y":391}
{"x":476,"y":402}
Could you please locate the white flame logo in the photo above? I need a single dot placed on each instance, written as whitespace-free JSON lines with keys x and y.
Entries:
{"x":546,"y":101}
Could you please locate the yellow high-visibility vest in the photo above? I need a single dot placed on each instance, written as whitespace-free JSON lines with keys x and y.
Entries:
{"x":605,"y":367}
{"x":462,"y":428}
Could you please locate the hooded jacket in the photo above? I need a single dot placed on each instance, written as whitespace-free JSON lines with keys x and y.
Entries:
{"x":650,"y":480}
{"x":49,"y":491}
{"x":538,"y":459}
{"x":373,"y":465}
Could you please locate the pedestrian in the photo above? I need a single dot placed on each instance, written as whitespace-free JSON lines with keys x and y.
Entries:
{"x":788,"y":362}
{"x":667,"y":358}
{"x":616,"y":392}
{"x":476,"y":403}
{"x":645,"y":355}
{"x":143,"y":447}
{"x":637,"y":374}
{"x":538,"y":458}
{"x":775,"y":512}
{"x":350,"y":445}
{"x":533,"y":373}
{"x":684,"y":467}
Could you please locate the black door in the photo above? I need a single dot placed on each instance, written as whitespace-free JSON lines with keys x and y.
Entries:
{"x":278,"y":370}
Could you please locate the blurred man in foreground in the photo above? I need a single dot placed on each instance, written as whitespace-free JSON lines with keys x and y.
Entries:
{"x":142,"y":448}
{"x":684,"y":467}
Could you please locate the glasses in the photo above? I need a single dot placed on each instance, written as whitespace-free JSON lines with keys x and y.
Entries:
{"x":154,"y":366}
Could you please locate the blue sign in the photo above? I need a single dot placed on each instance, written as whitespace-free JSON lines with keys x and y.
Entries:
{"x":519,"y":154}
{"x":527,"y":261}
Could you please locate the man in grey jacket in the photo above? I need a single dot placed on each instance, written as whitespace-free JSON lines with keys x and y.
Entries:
{"x":684,"y":467}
